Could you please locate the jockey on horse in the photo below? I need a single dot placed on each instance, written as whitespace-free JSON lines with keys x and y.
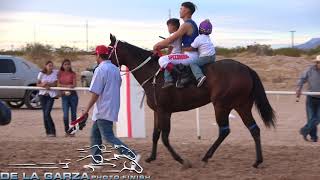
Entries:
{"x":188,"y":32}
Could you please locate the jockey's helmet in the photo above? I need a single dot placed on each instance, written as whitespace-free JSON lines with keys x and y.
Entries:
{"x":205,"y":27}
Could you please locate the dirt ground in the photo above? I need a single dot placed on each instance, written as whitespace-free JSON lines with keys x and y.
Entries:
{"x":286,"y":154}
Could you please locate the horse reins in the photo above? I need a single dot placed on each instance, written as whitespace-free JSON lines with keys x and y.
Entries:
{"x":154,"y":77}
{"x":114,"y":50}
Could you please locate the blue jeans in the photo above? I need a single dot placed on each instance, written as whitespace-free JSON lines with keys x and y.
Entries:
{"x":197,"y":65}
{"x":313,"y":116}
{"x":69,"y":102}
{"x":47,"y":104}
{"x":103,"y":128}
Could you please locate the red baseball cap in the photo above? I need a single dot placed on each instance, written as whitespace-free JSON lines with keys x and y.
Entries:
{"x":101,"y":49}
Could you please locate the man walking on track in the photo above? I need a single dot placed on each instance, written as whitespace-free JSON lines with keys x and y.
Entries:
{"x":312,"y":76}
{"x":105,"y":96}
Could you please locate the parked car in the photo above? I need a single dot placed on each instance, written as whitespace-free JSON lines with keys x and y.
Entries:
{"x":15,"y":71}
{"x":86,"y":76}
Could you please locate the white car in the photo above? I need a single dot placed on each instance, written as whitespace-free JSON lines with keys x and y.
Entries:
{"x":15,"y":71}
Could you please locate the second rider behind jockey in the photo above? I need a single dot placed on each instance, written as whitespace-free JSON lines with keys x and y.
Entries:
{"x":206,"y":51}
{"x":188,"y":31}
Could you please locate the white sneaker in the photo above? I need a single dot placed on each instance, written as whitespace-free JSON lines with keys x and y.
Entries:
{"x":134,"y":165}
{"x":201,"y":81}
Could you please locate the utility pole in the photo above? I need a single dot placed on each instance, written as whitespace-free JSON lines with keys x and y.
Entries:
{"x":87,"y":40}
{"x":169,"y":13}
{"x":292,"y":38}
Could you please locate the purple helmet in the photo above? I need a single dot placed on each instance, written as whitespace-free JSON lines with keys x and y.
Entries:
{"x":205,"y":27}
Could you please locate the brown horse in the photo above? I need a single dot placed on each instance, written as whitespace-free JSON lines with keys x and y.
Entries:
{"x":229,"y":85}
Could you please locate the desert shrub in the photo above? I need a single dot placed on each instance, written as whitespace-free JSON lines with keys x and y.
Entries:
{"x":292,"y":52}
{"x":12,"y":52}
{"x":38,"y":51}
{"x":224,"y":51}
{"x":315,"y":51}
{"x":66,"y":52}
{"x":260,"y":49}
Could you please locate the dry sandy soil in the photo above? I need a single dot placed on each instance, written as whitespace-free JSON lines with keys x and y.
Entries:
{"x":286,"y":154}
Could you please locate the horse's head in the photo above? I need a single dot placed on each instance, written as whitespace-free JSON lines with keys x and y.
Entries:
{"x":119,"y":53}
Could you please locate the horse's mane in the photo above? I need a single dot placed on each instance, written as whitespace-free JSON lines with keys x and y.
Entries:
{"x":138,"y":51}
{"x":141,"y":53}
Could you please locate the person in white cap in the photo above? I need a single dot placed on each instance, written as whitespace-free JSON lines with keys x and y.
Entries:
{"x":312,"y":77}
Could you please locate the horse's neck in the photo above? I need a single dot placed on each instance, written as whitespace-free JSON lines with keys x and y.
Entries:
{"x":144,"y":72}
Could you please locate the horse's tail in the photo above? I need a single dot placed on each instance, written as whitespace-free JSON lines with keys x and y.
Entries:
{"x":261,"y":101}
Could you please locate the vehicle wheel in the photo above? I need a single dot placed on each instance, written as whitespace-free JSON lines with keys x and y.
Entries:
{"x":32,"y":99}
{"x":15,"y":104}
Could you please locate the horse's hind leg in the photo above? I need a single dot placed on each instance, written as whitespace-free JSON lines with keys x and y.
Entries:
{"x":248,"y":120}
{"x":155,"y":138}
{"x":165,"y":125}
{"x":222,"y":118}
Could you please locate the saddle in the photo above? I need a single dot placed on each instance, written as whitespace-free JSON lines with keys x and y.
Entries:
{"x":183,"y":76}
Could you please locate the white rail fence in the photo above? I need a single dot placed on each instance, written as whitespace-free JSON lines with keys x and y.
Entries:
{"x":86,"y":89}
{"x":197,"y":110}
{"x":41,"y":88}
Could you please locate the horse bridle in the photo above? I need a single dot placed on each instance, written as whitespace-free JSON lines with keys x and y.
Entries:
{"x":114,"y":50}
{"x":154,"y":77}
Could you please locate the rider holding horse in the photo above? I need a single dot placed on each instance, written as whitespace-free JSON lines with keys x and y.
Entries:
{"x":188,"y":32}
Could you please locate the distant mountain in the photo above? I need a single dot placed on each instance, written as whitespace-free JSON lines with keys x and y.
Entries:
{"x":313,"y":43}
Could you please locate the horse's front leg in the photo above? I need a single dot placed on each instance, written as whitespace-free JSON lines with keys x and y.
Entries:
{"x":155,"y":138}
{"x":165,"y":120}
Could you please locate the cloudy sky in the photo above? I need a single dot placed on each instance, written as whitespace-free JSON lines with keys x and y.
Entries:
{"x":140,"y":22}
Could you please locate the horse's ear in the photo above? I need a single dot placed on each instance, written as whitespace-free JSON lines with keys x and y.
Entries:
{"x":112,"y":38}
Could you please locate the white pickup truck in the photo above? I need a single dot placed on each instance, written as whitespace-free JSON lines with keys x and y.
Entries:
{"x":15,"y":71}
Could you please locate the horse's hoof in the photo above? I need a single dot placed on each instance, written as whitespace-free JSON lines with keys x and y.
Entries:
{"x":150,"y":159}
{"x":204,"y":164}
{"x":186,"y":164}
{"x":256,"y":164}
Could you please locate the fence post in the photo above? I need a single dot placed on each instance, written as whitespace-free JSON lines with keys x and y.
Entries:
{"x":198,"y":123}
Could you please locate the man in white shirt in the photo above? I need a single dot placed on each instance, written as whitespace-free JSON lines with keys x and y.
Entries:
{"x":105,"y":96}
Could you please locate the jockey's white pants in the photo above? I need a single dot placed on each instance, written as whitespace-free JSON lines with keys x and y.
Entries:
{"x":185,"y":59}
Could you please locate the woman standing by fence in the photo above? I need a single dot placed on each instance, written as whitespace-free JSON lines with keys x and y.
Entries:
{"x":67,"y":78}
{"x":48,"y":78}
